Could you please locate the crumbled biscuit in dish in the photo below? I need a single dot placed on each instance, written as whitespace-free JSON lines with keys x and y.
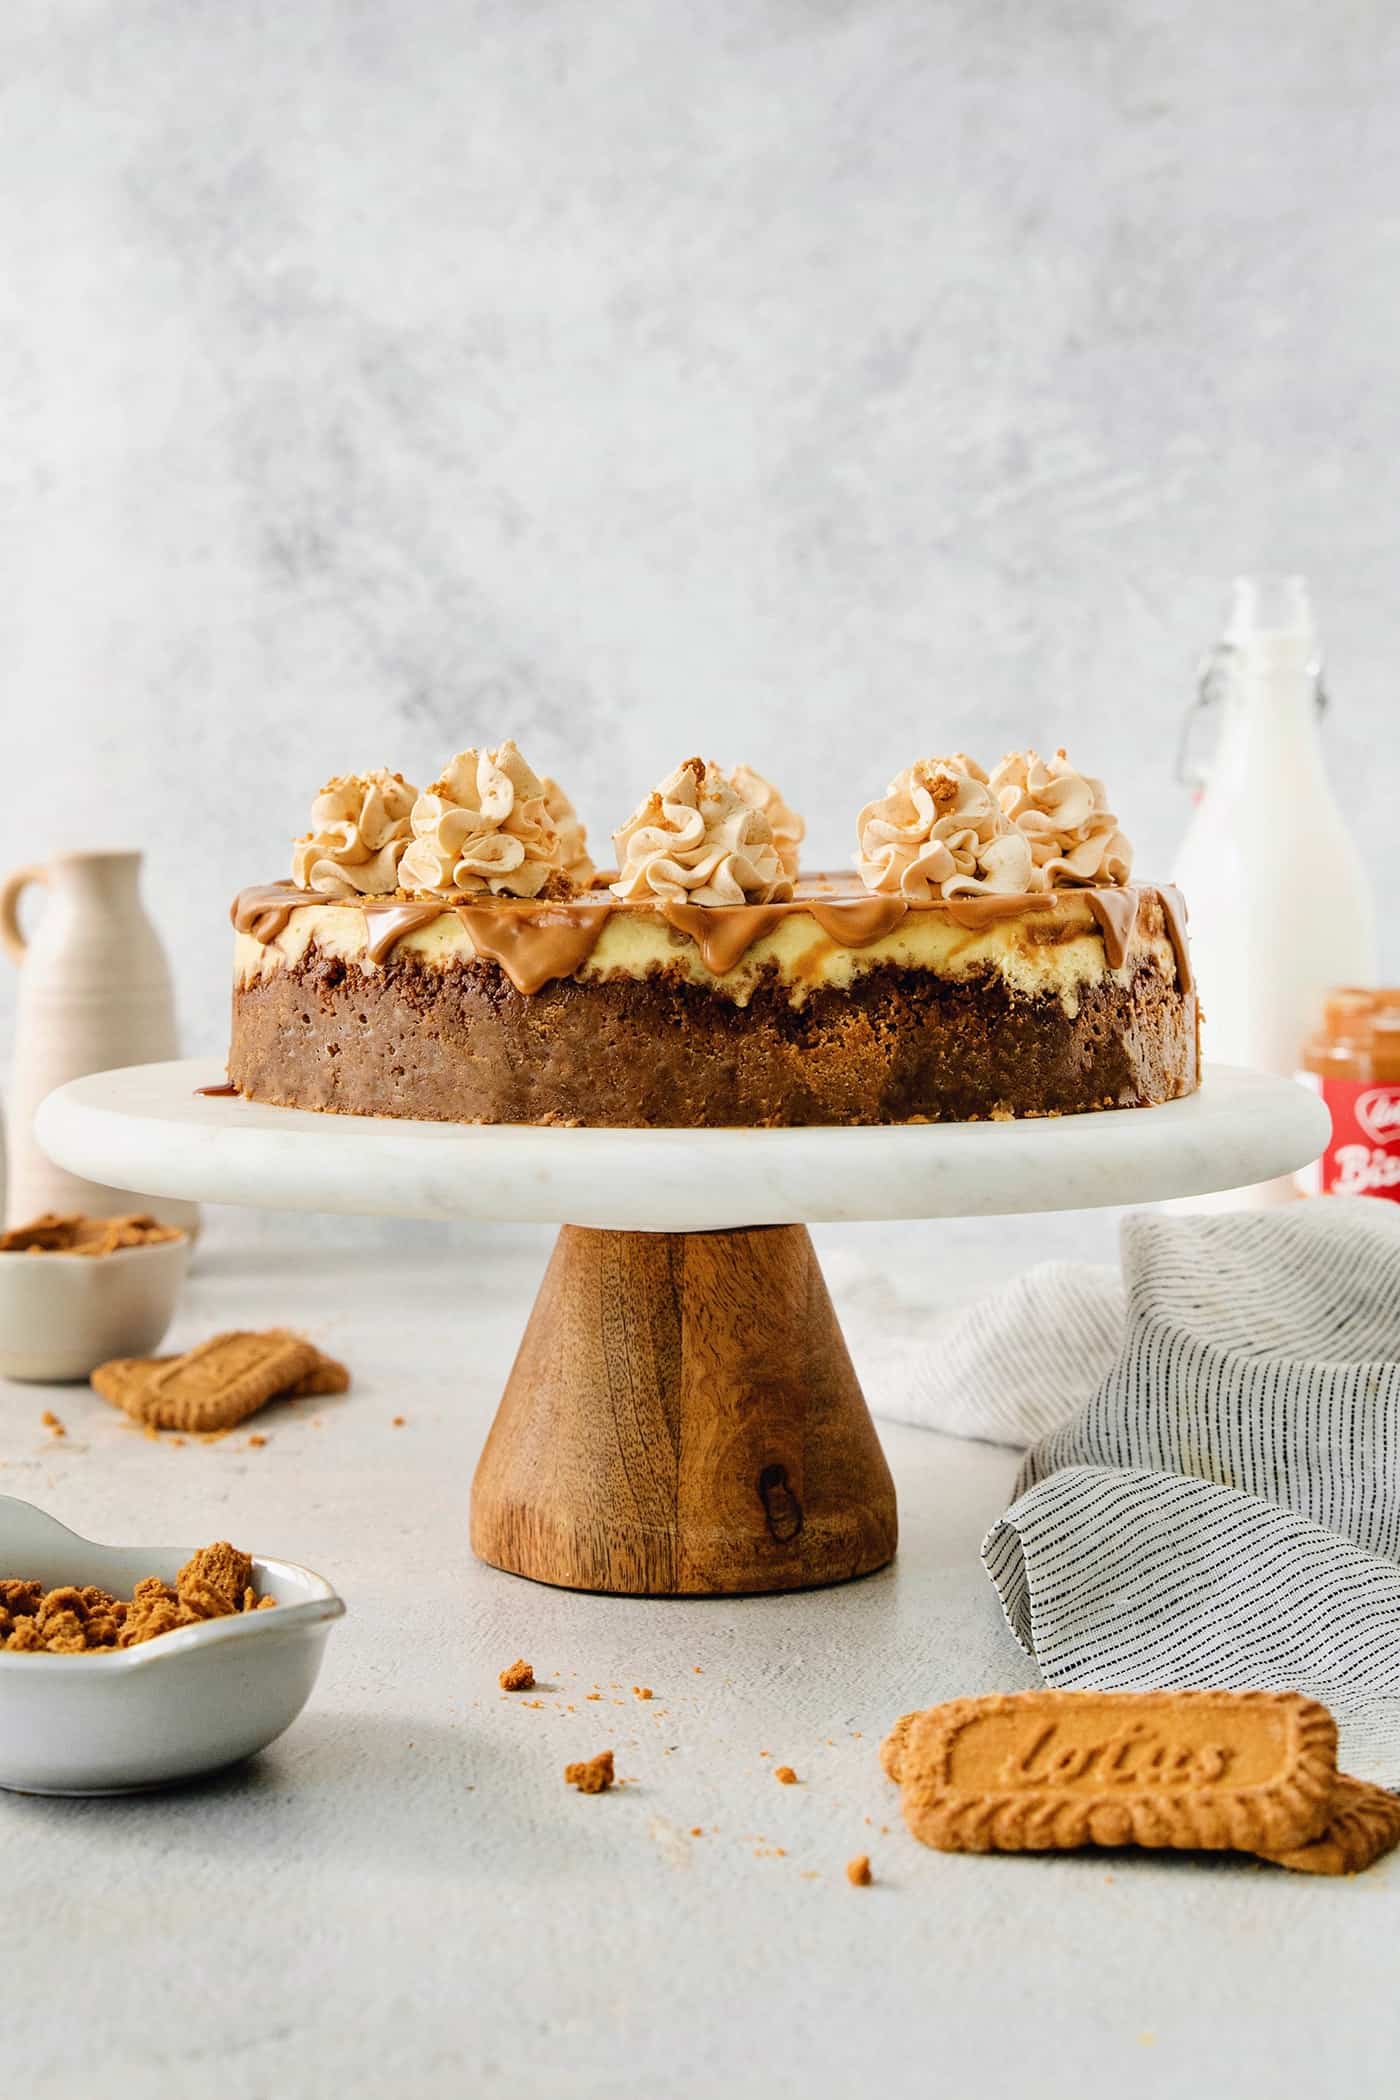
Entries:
{"x":591,"y":1775}
{"x":75,"y":1234}
{"x":222,"y":1567}
{"x":200,"y":1599}
{"x":216,"y":1582}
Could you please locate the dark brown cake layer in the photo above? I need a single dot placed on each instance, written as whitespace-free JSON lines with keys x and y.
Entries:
{"x":460,"y":1045}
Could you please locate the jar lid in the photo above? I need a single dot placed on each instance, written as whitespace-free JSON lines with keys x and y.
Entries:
{"x":1349,"y":1011}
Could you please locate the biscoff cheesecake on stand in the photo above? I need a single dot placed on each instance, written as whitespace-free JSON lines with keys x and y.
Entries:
{"x":453,"y":955}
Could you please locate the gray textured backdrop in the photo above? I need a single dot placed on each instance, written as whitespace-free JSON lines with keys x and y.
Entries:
{"x":811,"y":382}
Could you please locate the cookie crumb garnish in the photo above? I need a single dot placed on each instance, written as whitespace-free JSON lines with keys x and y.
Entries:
{"x":52,"y":1424}
{"x":858,"y":1870}
{"x":641,"y":1691}
{"x":518,"y":1678}
{"x":75,"y":1234}
{"x":591,"y":1775}
{"x":215,"y":1583}
{"x":785,"y":1775}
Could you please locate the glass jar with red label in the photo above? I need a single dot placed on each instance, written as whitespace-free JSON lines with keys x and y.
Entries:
{"x":1353,"y":1062}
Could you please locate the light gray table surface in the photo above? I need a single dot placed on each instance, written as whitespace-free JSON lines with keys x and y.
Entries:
{"x":401,"y":1897}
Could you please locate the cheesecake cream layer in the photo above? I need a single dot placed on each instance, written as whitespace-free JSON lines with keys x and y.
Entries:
{"x":1060,"y":944}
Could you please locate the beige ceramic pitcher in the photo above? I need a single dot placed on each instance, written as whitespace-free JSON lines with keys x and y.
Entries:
{"x":94,"y":993}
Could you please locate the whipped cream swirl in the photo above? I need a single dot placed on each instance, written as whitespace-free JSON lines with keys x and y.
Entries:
{"x":1073,"y":835}
{"x":695,"y":840}
{"x":939,"y":831}
{"x":484,"y":825}
{"x":359,"y":831}
{"x":573,"y":838}
{"x":787,"y":827}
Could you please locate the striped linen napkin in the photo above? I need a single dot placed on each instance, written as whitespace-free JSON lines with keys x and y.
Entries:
{"x":1212,"y":1490}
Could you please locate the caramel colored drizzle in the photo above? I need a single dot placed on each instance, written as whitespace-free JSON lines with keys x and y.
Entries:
{"x":1174,"y":912}
{"x":976,"y":914}
{"x":1115,"y":914}
{"x":723,"y":933}
{"x":387,"y":923}
{"x":225,"y":1086}
{"x":857,"y":922}
{"x":535,"y":944}
{"x":264,"y":911}
{"x":532,"y":947}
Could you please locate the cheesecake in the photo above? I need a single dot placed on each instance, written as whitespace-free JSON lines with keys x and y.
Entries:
{"x":454,"y":956}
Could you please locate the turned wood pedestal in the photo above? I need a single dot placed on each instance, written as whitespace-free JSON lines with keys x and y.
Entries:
{"x":683,"y":1419}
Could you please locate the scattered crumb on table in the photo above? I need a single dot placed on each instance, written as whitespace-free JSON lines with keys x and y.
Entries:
{"x":785,"y":1775}
{"x":591,"y":1775}
{"x":518,"y":1677}
{"x":858,"y":1870}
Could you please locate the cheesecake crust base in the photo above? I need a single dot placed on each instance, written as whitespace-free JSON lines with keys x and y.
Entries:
{"x":461,"y":1045}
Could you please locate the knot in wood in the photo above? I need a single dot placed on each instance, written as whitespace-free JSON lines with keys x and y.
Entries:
{"x":780,"y":1506}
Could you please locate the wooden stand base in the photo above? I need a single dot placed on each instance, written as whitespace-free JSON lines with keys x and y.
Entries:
{"x":683,"y":1419}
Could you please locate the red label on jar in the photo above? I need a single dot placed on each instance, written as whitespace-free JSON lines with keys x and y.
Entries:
{"x":1363,"y":1152}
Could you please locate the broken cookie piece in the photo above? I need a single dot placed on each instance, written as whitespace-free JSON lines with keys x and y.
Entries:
{"x":593,"y":1775}
{"x":221,"y":1382}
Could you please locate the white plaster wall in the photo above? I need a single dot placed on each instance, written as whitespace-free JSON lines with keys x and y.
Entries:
{"x":815,"y":381}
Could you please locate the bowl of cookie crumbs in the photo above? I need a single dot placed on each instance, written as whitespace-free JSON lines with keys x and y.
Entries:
{"x":76,"y":1291}
{"x":129,"y":1667}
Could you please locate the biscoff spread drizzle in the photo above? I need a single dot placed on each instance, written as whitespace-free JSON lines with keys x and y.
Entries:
{"x":535,"y":943}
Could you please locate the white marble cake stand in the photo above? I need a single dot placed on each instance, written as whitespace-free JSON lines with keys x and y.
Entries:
{"x":682,"y":1416}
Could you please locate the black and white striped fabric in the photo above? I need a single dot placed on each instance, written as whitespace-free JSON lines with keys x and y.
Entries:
{"x":1224,"y":1507}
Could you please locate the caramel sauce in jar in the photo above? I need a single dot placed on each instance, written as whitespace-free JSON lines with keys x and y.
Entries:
{"x":1353,"y":1063}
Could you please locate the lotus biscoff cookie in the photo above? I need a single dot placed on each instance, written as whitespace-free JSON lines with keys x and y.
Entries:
{"x":1364,"y":1824}
{"x":1048,"y":1771}
{"x":220,"y":1383}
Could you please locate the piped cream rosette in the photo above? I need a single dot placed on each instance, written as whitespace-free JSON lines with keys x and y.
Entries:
{"x":359,"y":834}
{"x":787,"y":827}
{"x":696,"y":840}
{"x":1073,"y":834}
{"x":485,"y":826}
{"x":573,"y":839}
{"x":939,"y":831}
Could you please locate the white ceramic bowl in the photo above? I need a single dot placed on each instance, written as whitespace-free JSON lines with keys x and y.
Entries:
{"x":187,"y":1703}
{"x":63,"y":1314}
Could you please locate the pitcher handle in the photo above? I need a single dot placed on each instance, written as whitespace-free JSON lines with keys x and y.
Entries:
{"x":11,"y":890}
